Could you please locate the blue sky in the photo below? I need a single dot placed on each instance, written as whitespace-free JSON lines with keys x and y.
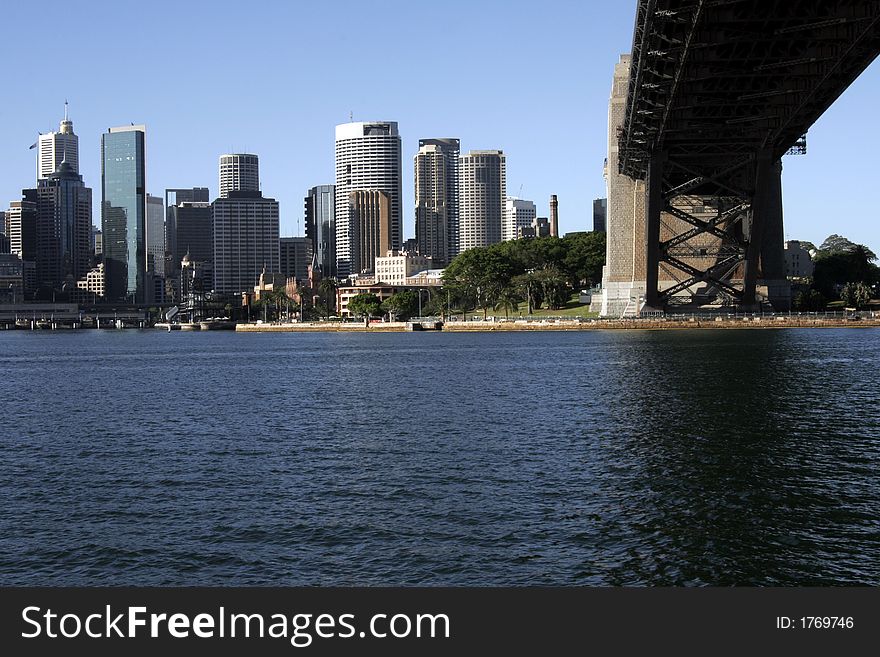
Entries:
{"x":274,"y":78}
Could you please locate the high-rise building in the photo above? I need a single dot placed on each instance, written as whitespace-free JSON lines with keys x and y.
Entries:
{"x":97,"y":241}
{"x":369,"y":214}
{"x":451,"y":151}
{"x":296,"y":256}
{"x":432,"y":203}
{"x":173,"y":198}
{"x":155,"y":235}
{"x":21,"y":226}
{"x":54,"y":147}
{"x":239,"y":171}
{"x":600,"y":214}
{"x":63,"y":229}
{"x":246,"y":240}
{"x":123,"y":213}
{"x":482,"y":193}
{"x":195,"y":231}
{"x":518,"y":213}
{"x":320,"y":219}
{"x":367,"y":158}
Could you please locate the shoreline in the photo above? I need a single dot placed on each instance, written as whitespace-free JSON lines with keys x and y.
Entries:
{"x":773,"y":322}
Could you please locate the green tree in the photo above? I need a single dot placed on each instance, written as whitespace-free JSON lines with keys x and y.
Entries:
{"x":809,"y":301}
{"x":584,"y":258}
{"x":508,"y":300}
{"x":365,"y":305}
{"x":855,"y":295}
{"x":402,"y":305}
{"x":836,"y":244}
{"x":327,"y":291}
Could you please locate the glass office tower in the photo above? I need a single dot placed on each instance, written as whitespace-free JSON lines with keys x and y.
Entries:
{"x":123,"y":213}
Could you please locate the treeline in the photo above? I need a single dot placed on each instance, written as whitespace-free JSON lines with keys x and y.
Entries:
{"x":536,"y":273}
{"x":841,"y":270}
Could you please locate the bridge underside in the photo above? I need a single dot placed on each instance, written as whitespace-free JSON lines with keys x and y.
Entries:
{"x":719,"y":91}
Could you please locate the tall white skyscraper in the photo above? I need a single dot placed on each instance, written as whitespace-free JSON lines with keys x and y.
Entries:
{"x":518,"y":213}
{"x":54,"y":147}
{"x":239,"y":171}
{"x":482,"y":194}
{"x":367,"y":159}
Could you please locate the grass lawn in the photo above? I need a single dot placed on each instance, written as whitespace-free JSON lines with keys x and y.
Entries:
{"x":572,"y":309}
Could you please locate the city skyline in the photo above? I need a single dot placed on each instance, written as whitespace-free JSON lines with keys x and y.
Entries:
{"x":553,"y":133}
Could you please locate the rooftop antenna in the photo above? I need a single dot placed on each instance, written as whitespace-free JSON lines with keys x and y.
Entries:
{"x":351,"y":116}
{"x":65,"y":109}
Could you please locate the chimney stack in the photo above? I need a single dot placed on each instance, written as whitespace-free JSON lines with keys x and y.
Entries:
{"x":554,"y":216}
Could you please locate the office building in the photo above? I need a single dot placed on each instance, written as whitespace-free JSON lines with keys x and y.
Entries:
{"x":369,"y":216}
{"x":431,"y":203}
{"x":11,"y":278}
{"x":320,"y":220}
{"x":798,"y":262}
{"x":246,"y":240}
{"x":21,"y":226}
{"x":173,"y":198}
{"x":239,"y":171}
{"x":450,"y":151}
{"x":93,"y":283}
{"x":97,"y":241}
{"x":295,"y":258}
{"x":155,"y":235}
{"x":63,"y":229}
{"x":367,"y":158}
{"x":519,"y":213}
{"x":600,"y":214}
{"x":396,"y":267}
{"x":54,"y":147}
{"x":123,"y":213}
{"x":482,"y":194}
{"x":194,"y":233}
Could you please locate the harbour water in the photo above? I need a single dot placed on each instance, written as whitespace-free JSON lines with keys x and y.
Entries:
{"x":721,"y":457}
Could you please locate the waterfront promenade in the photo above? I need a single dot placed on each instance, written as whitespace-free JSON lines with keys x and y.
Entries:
{"x":658,"y":323}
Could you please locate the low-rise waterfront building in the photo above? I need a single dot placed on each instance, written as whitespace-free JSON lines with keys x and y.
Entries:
{"x":396,"y":266}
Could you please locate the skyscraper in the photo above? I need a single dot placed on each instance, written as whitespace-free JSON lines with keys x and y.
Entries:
{"x":21,"y":231}
{"x":320,"y":219}
{"x":370,"y":223}
{"x":600,"y":214}
{"x":518,"y":213}
{"x":156,"y":235}
{"x":482,"y":193}
{"x":239,"y":171}
{"x":57,"y":146}
{"x":367,"y":158}
{"x":450,"y":149}
{"x":173,"y":199}
{"x":295,"y":257}
{"x":245,"y":236}
{"x":432,"y":203}
{"x":123,"y":212}
{"x":63,"y":229}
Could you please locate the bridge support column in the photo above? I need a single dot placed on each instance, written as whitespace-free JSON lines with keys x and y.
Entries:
{"x":653,"y":208}
{"x":763,"y":211}
{"x":772,"y":249}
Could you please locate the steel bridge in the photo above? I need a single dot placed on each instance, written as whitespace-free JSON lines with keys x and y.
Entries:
{"x":719,"y":91}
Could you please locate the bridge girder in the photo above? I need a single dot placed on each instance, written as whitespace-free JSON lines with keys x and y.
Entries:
{"x":720,"y":82}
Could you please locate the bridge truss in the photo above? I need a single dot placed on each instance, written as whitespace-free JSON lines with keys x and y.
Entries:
{"x":719,"y":91}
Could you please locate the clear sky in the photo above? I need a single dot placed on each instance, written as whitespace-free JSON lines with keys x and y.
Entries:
{"x":275,"y":77}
